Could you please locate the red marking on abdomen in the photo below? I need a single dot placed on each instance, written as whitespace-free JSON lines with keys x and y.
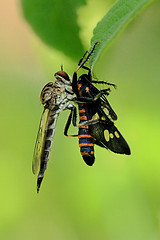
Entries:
{"x":84,"y":127}
{"x":83,"y":118}
{"x":84,"y":136}
{"x":82,"y":111}
{"x":81,"y":104}
{"x":87,"y":89}
{"x":79,"y":86}
{"x":86,"y":153}
{"x":86,"y":144}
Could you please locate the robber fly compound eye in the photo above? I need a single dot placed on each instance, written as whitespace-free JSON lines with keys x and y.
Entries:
{"x":61,"y":75}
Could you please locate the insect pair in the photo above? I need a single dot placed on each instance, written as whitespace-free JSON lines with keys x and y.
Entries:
{"x":95,"y":113}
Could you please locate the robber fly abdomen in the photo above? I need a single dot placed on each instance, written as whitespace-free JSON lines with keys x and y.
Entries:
{"x":47,"y":144}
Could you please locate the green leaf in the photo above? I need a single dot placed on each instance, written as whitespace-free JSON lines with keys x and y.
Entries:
{"x":55,"y":22}
{"x":117,"y":18}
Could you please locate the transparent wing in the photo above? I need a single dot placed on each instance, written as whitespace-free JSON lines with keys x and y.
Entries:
{"x":40,"y":141}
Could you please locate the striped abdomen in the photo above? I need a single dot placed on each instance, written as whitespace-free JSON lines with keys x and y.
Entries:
{"x":85,"y":139}
{"x":48,"y":140}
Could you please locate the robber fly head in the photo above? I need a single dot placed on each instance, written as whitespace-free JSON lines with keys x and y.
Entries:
{"x":63,"y":77}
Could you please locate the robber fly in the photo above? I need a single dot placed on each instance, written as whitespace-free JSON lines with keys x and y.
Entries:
{"x":55,"y":98}
{"x":95,"y":126}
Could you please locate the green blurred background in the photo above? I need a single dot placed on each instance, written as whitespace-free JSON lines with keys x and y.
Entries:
{"x":119,"y":197}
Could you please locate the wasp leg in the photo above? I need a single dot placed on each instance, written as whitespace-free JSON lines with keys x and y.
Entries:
{"x":103,"y":82}
{"x":89,"y":73}
{"x":79,"y":63}
{"x":91,"y":100}
{"x":82,"y":62}
{"x":72,"y":117}
{"x":103,"y":91}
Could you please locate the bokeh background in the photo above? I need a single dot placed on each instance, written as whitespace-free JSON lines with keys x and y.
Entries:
{"x":119,"y":197}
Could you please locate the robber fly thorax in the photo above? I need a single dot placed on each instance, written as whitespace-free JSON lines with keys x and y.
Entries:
{"x":55,"y":96}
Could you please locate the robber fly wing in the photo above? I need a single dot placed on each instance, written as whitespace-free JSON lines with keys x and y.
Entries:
{"x":40,"y":141}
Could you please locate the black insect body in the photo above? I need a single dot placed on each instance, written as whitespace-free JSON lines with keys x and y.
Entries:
{"x":95,"y":126}
{"x":86,"y":141}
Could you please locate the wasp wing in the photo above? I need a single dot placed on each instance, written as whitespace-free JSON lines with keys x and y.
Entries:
{"x":102,"y":100}
{"x":106,"y":135}
{"x":106,"y":106}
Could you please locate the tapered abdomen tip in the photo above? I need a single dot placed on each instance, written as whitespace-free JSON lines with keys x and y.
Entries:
{"x":39,"y":181}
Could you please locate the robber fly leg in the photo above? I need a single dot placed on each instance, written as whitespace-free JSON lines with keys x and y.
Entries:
{"x":72,"y":117}
{"x":89,"y":122}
